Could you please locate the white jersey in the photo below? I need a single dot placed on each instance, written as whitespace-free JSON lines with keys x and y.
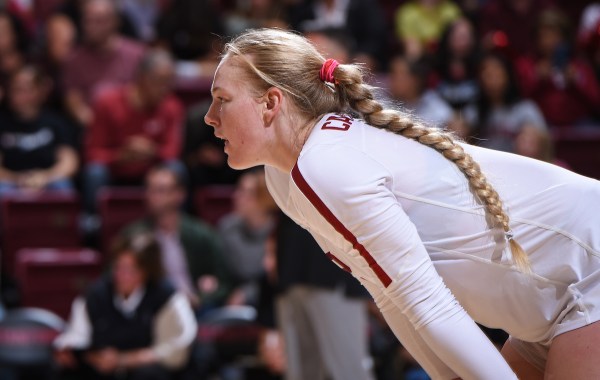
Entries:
{"x":401,"y":217}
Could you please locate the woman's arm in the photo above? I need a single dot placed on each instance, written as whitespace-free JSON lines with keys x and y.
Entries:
{"x":175,"y":330}
{"x":66,"y":164}
{"x":78,"y":333}
{"x":352,"y":194}
{"x":409,"y":337}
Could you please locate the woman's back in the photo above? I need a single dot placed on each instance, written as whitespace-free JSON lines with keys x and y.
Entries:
{"x":553,"y":213}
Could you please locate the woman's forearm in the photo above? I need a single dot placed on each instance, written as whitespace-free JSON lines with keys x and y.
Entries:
{"x":66,"y":164}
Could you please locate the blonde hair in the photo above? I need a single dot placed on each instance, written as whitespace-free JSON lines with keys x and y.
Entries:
{"x":289,"y":62}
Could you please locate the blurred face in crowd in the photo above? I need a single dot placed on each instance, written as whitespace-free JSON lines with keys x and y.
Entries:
{"x":245,"y":200}
{"x":163,"y":193}
{"x":25,"y":93}
{"x":549,"y":38}
{"x":462,"y":39}
{"x":156,"y":83}
{"x":533,"y":142}
{"x":493,"y":78}
{"x":60,"y":36}
{"x":99,"y":22}
{"x":403,"y":84}
{"x":7,"y":34}
{"x":127,"y":274}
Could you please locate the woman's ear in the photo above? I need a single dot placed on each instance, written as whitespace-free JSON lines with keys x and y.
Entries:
{"x":272,"y":101}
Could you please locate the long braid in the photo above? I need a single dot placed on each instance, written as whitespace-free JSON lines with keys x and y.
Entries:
{"x":361,"y":99}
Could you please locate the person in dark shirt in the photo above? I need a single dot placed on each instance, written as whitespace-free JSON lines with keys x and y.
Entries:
{"x":35,"y":153}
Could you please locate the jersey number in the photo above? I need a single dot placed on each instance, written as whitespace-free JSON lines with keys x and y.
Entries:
{"x":337,"y":123}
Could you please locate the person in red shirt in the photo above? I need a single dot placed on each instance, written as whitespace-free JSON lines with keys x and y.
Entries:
{"x":134,"y":127}
{"x":563,"y":85}
{"x":104,"y":59}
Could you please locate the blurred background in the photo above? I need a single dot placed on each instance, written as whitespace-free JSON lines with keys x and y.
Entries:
{"x":129,"y":249}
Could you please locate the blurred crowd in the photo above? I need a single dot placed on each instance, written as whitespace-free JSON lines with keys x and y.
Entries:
{"x":112,"y":93}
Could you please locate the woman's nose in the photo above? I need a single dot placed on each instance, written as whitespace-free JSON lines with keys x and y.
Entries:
{"x":209,"y":118}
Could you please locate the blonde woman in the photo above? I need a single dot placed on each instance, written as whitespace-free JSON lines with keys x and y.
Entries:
{"x":427,"y":224}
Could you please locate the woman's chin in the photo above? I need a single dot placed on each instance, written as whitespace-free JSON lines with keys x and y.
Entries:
{"x":240,"y":164}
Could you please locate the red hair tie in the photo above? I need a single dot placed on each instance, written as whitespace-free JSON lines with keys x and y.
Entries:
{"x":326,"y":73}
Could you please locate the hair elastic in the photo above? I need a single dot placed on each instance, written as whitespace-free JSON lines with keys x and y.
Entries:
{"x":509,"y":235}
{"x":326,"y":73}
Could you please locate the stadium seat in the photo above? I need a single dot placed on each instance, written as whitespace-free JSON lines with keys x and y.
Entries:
{"x":118,"y":206}
{"x":38,"y":220}
{"x":213,"y":202}
{"x":26,"y":337}
{"x":232,"y":331}
{"x":52,"y":278}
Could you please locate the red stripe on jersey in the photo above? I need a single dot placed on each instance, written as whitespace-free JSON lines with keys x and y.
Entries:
{"x":338,"y":226}
{"x":338,"y":262}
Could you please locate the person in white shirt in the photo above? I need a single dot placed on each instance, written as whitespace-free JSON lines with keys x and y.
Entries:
{"x":430,"y":226}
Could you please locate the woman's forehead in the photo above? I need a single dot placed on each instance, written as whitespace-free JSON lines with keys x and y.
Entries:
{"x":229,"y":74}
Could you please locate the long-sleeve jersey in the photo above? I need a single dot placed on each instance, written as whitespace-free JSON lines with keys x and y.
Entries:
{"x":402,"y":219}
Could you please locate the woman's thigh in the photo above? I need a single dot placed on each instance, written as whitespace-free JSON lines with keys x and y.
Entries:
{"x":575,"y":355}
{"x":521,"y":367}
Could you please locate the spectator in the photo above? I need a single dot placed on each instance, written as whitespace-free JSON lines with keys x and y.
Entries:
{"x":74,"y":9}
{"x":12,"y":33}
{"x":191,"y":254}
{"x":508,"y":25}
{"x":361,"y":19}
{"x":135,"y":126}
{"x":131,"y":324}
{"x":501,"y":114}
{"x":244,"y":234}
{"x":322,"y":311}
{"x":35,"y":151}
{"x":456,"y":65}
{"x":255,"y":14}
{"x":103,"y":60}
{"x":14,"y":45}
{"x":408,"y":85}
{"x":420,"y":24}
{"x":563,"y":86}
{"x":536,"y":143}
{"x":57,"y":46}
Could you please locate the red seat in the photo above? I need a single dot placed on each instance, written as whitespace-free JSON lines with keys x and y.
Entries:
{"x":580,"y":149}
{"x":38,"y":220}
{"x":52,"y":278}
{"x":213,"y":202}
{"x":119,"y":206}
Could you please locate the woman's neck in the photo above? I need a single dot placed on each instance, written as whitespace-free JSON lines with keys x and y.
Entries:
{"x":291,"y":135}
